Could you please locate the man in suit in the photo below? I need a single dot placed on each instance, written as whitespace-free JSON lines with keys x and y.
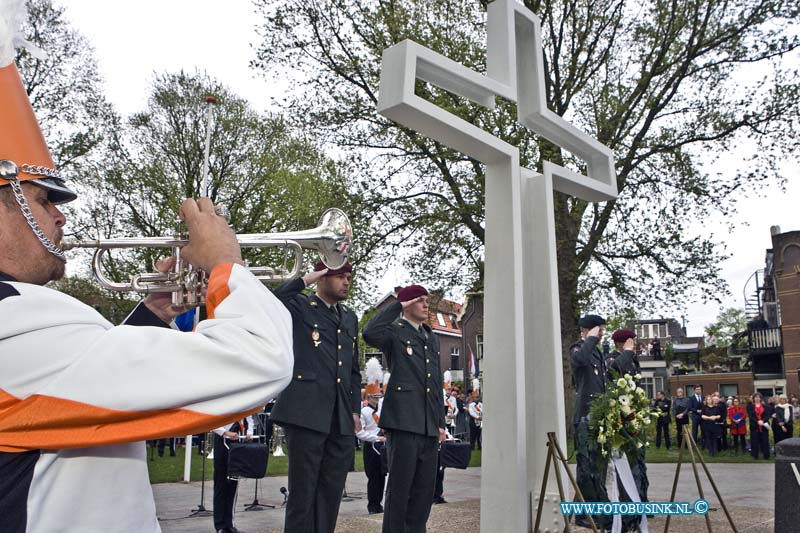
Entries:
{"x":588,"y":368}
{"x":680,"y":408}
{"x":320,"y":409}
{"x":696,"y":403}
{"x":412,"y":416}
{"x":224,"y":488}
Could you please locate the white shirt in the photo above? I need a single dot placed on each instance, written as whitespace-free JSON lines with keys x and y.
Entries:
{"x":369,"y":426}
{"x":227,"y":427}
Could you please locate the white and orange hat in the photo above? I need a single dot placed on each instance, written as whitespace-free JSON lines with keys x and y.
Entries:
{"x":374,"y":374}
{"x":24,"y":155}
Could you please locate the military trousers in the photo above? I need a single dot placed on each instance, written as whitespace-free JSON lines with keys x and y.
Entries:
{"x":413,"y":459}
{"x":318,"y":465}
{"x":591,"y":471}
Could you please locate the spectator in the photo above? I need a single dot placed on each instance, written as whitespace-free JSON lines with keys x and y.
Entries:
{"x":784,"y":425}
{"x":758,"y":416}
{"x":737,"y":415}
{"x":680,"y":408}
{"x":709,"y":417}
{"x":663,"y":405}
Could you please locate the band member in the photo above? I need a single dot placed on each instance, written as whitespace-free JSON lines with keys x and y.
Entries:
{"x":589,"y":377}
{"x":372,"y":438}
{"x":320,"y":409}
{"x":475,"y":410}
{"x":224,"y":488}
{"x":412,"y":415}
{"x":80,"y":396}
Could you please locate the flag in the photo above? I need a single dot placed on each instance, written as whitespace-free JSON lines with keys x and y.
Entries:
{"x":473,"y":363}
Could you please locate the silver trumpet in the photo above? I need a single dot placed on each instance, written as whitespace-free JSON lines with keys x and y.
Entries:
{"x":332,"y":239}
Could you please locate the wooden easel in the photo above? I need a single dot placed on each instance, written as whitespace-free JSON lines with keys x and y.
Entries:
{"x":691,"y":445}
{"x":554,"y":454}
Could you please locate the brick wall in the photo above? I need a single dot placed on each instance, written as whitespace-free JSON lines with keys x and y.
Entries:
{"x":786,"y":249}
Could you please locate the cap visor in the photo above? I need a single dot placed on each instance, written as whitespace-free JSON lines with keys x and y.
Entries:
{"x":57,"y":191}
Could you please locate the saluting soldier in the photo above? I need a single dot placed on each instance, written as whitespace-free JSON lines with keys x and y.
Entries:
{"x":624,"y":360}
{"x":320,"y":409}
{"x":589,"y":377}
{"x":412,"y":416}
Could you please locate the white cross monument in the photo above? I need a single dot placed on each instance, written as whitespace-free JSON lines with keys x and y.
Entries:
{"x":523,"y":384}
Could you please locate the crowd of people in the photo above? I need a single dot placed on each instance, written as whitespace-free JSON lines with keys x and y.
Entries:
{"x":724,"y":424}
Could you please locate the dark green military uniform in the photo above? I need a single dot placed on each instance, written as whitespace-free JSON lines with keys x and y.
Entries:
{"x":589,"y":377}
{"x":411,"y":416}
{"x":627,"y":363}
{"x":317,"y":408}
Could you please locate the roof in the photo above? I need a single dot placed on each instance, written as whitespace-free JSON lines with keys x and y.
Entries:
{"x":443,"y":316}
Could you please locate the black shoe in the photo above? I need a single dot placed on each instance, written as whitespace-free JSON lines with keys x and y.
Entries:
{"x":439,"y":500}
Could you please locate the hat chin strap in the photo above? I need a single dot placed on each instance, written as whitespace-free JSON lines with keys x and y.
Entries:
{"x":26,"y":212}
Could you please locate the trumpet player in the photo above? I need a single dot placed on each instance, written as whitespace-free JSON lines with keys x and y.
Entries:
{"x":78,"y":396}
{"x":320,"y":410}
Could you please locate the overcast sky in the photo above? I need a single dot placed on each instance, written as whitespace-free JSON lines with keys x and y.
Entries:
{"x":134,"y":40}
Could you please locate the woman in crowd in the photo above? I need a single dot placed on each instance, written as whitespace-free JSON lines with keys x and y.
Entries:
{"x":711,"y":432}
{"x":738,"y":417}
{"x":758,"y":416}
{"x":784,"y":420}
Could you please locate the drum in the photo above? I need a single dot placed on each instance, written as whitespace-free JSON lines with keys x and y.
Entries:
{"x":248,"y":460}
{"x":455,"y":454}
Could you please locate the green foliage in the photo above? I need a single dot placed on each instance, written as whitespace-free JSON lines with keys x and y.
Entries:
{"x":271,"y":179}
{"x":112,"y":305}
{"x":666,"y":89}
{"x":729,"y":322}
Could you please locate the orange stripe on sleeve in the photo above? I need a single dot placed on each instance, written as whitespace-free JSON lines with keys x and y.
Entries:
{"x":218,"y":288}
{"x":44,"y":422}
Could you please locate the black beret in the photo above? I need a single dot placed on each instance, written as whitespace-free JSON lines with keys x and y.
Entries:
{"x":591,"y":321}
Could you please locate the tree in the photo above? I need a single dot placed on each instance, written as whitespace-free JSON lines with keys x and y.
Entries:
{"x":269,"y":178}
{"x":667,"y":86}
{"x":64,"y":87}
{"x":729,"y":322}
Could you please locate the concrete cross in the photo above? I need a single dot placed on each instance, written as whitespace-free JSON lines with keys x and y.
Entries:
{"x":523,"y":384}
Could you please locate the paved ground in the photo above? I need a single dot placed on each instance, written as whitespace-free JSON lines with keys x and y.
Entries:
{"x":746,"y":488}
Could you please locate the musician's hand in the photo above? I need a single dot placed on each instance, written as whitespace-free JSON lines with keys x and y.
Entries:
{"x":380,"y":438}
{"x":357,"y":422}
{"x":442,"y":435}
{"x":630,"y":344}
{"x":231,"y":435}
{"x":312,"y":277}
{"x":211,"y":240}
{"x":160,"y":303}
{"x":248,"y":438}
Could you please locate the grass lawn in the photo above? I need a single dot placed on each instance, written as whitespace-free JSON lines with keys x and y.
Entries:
{"x":170,"y":469}
{"x":663,"y":455}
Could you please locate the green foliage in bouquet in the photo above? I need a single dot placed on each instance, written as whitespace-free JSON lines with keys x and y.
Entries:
{"x":619,"y":418}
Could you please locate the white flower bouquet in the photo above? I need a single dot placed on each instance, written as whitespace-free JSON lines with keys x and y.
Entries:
{"x":618,"y":419}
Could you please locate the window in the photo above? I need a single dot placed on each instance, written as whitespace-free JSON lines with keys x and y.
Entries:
{"x":647,"y":385}
{"x":726,"y":390}
{"x":479,"y":347}
{"x":440,"y":319}
{"x":455,"y":363}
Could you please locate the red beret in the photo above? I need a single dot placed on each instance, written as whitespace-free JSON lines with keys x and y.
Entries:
{"x":412,"y":291}
{"x":347,"y":267}
{"x":621,"y":335}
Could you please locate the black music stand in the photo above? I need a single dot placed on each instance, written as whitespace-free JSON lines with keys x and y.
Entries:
{"x":201,"y":510}
{"x":256,"y":505}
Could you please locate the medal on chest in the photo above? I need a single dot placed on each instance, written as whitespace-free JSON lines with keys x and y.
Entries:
{"x":315,"y":336}
{"x":596,"y":371}
{"x":409,"y":349}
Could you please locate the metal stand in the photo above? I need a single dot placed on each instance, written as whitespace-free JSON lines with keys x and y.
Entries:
{"x":691,"y":445}
{"x":554,"y":454}
{"x":256,"y":506}
{"x":201,"y":510}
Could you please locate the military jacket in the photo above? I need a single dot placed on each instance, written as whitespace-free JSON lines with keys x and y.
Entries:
{"x":623,"y":363}
{"x":588,"y":374}
{"x":413,"y":400}
{"x":325,"y":390}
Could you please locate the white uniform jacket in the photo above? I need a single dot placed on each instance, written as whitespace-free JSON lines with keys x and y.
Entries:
{"x":78,"y":396}
{"x":369,"y":426}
